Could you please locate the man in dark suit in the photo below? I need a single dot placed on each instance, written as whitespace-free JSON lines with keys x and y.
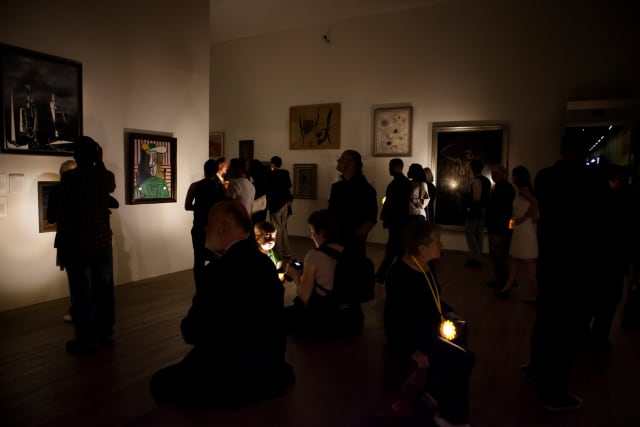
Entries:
{"x":235,"y":324}
{"x":499,"y":211}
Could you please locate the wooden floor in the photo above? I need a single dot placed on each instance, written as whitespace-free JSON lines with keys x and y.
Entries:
{"x":338,"y":383}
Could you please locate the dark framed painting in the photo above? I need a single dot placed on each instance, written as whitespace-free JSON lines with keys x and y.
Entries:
{"x":392,"y":131}
{"x":305,"y":181}
{"x":314,"y":127}
{"x":41,"y":102}
{"x":45,"y":190}
{"x":216,"y":144}
{"x":151,"y":170}
{"x":455,"y":145}
{"x":245,"y":151}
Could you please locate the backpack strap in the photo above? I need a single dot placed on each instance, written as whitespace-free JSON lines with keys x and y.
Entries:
{"x":333,"y":253}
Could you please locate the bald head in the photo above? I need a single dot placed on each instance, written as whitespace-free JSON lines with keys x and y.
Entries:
{"x":227,"y":223}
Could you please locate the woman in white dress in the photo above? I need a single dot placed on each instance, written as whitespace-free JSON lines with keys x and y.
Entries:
{"x":523,"y":251}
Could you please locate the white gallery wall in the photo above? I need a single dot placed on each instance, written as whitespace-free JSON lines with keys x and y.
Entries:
{"x":145,"y":67}
{"x":516,"y":62}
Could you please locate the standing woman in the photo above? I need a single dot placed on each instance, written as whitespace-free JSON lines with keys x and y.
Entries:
{"x":419,"y":193}
{"x":433,"y":194}
{"x":523,"y":251}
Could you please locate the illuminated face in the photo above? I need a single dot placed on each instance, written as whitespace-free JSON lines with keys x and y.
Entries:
{"x":318,"y":238}
{"x":223,"y":167}
{"x":267,"y":241}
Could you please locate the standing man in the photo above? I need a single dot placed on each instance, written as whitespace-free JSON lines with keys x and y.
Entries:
{"x":279,"y":199}
{"x":353,"y":203}
{"x":569,"y":269}
{"x":394,"y":216}
{"x":476,"y":203}
{"x":499,"y":211}
{"x":201,"y":196}
{"x":235,"y":324}
{"x":84,"y":246}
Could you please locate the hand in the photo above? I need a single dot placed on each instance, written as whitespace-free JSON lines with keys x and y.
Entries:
{"x":421,"y":359}
{"x":293,"y":272}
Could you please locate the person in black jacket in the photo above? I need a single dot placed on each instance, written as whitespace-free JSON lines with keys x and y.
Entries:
{"x":279,"y":200}
{"x":201,"y":196}
{"x":394,"y":216}
{"x":235,"y":324}
{"x":475,"y":204}
{"x":499,"y":211}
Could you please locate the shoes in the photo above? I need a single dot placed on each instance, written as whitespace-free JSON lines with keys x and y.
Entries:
{"x":67,"y":318}
{"x":474,"y":263}
{"x":441,"y":422}
{"x":562,"y":404}
{"x":530,"y":374}
{"x":503,"y":293}
{"x":380,"y":280}
{"x":81,"y":349}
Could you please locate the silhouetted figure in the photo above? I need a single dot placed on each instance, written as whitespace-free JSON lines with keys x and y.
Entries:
{"x":84,"y":247}
{"x":235,"y":324}
{"x":475,"y":204}
{"x":279,"y":200}
{"x":201,"y":195}
{"x":499,"y":210}
{"x":353,"y":203}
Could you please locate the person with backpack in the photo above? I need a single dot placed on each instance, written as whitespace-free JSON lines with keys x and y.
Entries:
{"x":327,"y":301}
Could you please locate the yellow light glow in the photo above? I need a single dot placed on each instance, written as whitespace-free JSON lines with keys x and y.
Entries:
{"x":383,"y":199}
{"x":448,"y":330}
{"x":453,"y":184}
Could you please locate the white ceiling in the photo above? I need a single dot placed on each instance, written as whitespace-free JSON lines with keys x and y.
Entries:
{"x":234,"y":19}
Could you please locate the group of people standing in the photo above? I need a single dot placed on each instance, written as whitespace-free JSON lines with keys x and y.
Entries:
{"x":262,"y":192}
{"x":570,"y":233}
{"x":408,"y":198}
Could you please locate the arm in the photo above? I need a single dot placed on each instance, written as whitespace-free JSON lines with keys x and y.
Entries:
{"x":188,"y":201}
{"x":305,"y":280}
{"x":532,"y":212}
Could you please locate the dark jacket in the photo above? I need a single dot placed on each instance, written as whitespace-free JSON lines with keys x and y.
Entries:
{"x":353,"y":203}
{"x":395,"y":211}
{"x":500,"y":208}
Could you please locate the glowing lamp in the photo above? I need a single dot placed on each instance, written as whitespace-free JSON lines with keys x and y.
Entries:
{"x":448,"y":330}
{"x":383,"y":199}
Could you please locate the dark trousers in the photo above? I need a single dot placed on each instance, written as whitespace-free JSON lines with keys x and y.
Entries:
{"x":91,"y":288}
{"x":499,"y":252}
{"x":562,"y":319}
{"x":605,"y":304}
{"x":452,"y":368}
{"x":393,"y":250}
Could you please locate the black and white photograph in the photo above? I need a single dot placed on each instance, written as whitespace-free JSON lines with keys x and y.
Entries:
{"x":41,"y":102}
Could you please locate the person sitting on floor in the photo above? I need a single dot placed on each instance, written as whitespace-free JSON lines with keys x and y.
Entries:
{"x":265,"y":234}
{"x":413,"y":316}
{"x":235,"y":324}
{"x":315,"y":311}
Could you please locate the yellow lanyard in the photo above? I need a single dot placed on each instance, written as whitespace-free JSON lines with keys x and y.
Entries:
{"x":432,"y":287}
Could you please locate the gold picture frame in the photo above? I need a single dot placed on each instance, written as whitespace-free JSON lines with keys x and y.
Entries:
{"x":313,"y":127}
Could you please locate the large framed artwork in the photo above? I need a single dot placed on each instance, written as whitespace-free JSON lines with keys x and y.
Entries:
{"x":455,"y":145}
{"x":41,"y":102}
{"x":151,"y":169}
{"x":392,"y":131}
{"x":305,"y":181}
{"x":45,"y":188}
{"x":314,"y":127}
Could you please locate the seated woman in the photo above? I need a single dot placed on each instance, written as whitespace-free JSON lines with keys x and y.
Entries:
{"x":314,"y":311}
{"x":413,"y":316}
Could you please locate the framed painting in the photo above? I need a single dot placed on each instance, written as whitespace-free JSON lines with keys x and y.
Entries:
{"x":245,"y":151}
{"x":41,"y":102}
{"x":455,"y":145}
{"x":45,"y":190}
{"x":314,"y":127}
{"x":151,"y":169}
{"x":392,"y":131}
{"x":305,"y":181}
{"x":216,"y":144}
